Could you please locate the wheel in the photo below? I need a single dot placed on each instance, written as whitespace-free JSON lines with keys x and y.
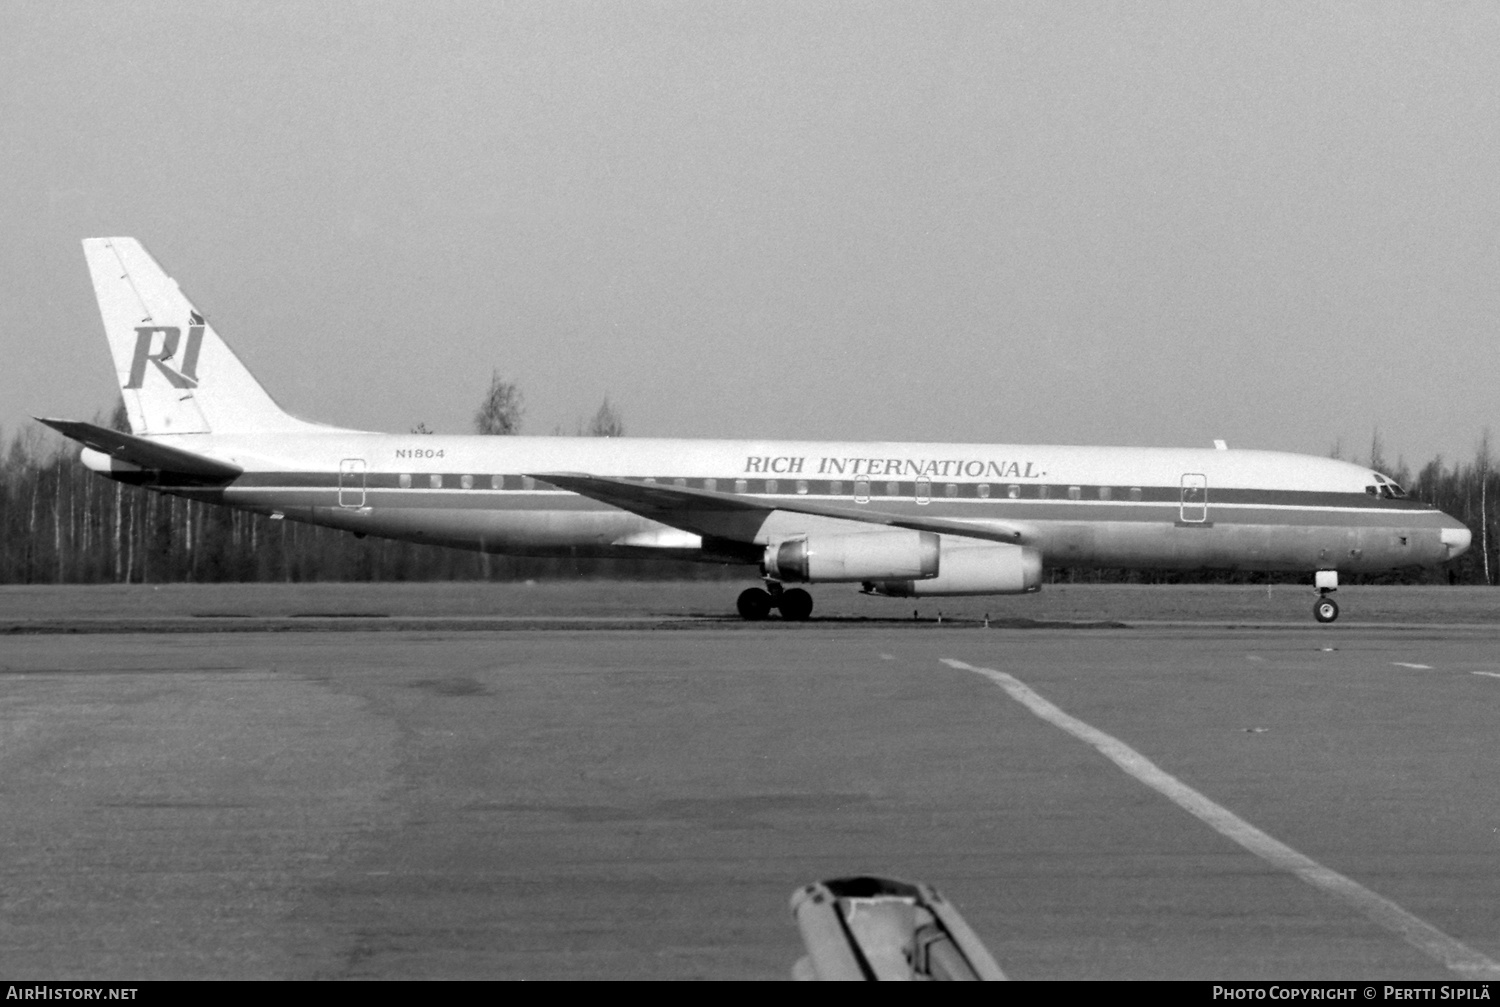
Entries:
{"x":754,"y":604}
{"x":795,"y":604}
{"x":1326,"y":610}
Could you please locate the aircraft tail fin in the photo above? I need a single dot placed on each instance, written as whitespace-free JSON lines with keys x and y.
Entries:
{"x":176,"y":375}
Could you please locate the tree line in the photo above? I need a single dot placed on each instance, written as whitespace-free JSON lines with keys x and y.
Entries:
{"x":62,"y":524}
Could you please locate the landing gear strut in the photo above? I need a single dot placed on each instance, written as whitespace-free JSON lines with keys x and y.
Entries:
{"x":1327,"y":582}
{"x":756,"y":603}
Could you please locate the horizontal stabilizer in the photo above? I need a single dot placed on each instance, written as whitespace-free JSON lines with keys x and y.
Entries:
{"x":145,"y":453}
{"x":676,"y":505}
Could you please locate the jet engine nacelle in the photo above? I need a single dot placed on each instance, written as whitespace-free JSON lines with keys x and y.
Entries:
{"x":981,"y":568}
{"x":875,"y":555}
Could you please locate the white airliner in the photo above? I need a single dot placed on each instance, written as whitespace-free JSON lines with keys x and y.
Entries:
{"x":898,"y":519}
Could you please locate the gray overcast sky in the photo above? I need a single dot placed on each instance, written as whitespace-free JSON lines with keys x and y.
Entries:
{"x":1044,"y":222}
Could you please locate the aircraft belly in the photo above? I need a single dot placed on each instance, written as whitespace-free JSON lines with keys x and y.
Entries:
{"x":537,"y":530}
{"x":499,"y":531}
{"x":1263,"y":547}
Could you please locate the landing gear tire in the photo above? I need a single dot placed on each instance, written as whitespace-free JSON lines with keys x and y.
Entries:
{"x":754,"y":604}
{"x":796,"y":605}
{"x":1326,"y":610}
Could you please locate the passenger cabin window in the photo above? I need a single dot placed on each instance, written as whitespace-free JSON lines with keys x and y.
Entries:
{"x":741,"y":486}
{"x":984,"y":489}
{"x":711,"y":484}
{"x":467,"y":482}
{"x":771,"y":485}
{"x":836,"y":487}
{"x":1014,"y":492}
{"x":951,"y":490}
{"x":924,"y":490}
{"x":892,"y":489}
{"x":680,"y":482}
{"x":497,"y":482}
{"x":404,"y":481}
{"x":1135,"y":493}
{"x":1104,"y":493}
{"x":802,"y":487}
{"x":861,"y":491}
{"x":1042,"y":492}
{"x":528,"y":483}
{"x":1075,"y":492}
{"x":436,"y":482}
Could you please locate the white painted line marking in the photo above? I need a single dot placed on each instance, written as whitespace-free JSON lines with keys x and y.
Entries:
{"x":1491,"y":674}
{"x":887,"y":657}
{"x":1454,"y":954}
{"x":1415,"y":667}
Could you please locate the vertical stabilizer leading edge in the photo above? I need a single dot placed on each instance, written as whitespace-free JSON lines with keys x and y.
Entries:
{"x":176,"y":375}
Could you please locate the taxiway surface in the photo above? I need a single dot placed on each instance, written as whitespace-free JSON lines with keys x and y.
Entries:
{"x":637,"y":804}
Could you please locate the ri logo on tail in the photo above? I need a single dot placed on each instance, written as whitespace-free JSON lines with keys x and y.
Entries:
{"x":145,"y":335}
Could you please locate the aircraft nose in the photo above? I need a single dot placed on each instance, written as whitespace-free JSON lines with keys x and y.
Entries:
{"x":1457,"y":540}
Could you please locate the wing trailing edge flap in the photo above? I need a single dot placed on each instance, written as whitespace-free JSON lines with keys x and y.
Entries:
{"x":145,"y":453}
{"x":727,"y":516}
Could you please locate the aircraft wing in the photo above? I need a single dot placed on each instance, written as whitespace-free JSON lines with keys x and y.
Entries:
{"x":144,"y":452}
{"x":705,"y":512}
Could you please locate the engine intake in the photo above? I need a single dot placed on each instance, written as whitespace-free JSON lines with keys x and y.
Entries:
{"x":876,"y":555}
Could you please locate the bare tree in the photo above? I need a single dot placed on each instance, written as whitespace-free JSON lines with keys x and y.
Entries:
{"x":501,"y":409}
{"x":607,"y":421}
{"x":1482,"y":463}
{"x":1377,"y":452}
{"x":421,"y":428}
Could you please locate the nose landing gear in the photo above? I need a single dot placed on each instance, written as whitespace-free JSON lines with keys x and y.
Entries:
{"x":755,"y":603}
{"x":1327,"y":582}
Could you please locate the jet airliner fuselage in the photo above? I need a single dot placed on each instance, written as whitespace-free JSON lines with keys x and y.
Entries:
{"x":895,"y":518}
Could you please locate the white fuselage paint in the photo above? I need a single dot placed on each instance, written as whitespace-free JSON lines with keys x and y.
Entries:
{"x":1104,"y":506}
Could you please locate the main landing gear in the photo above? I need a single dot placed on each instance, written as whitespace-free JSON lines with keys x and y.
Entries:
{"x":1327,"y":582}
{"x":756,"y":603}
